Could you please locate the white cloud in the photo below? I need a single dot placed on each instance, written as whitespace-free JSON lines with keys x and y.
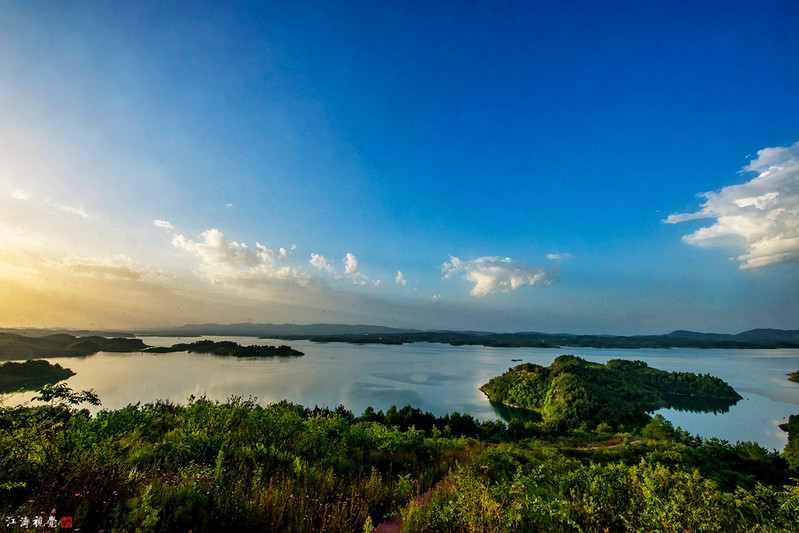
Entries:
{"x":559,"y":257}
{"x":283,"y":254}
{"x":496,"y":274}
{"x":352,"y":270}
{"x":20,"y":195}
{"x":162,"y":224}
{"x":761,"y":215}
{"x":75,"y":211}
{"x":320,"y":262}
{"x":230,"y":262}
{"x":435,"y":298}
{"x":400,"y":278}
{"x":351,"y":265}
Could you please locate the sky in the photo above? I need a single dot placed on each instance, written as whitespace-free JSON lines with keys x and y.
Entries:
{"x":582,"y":167}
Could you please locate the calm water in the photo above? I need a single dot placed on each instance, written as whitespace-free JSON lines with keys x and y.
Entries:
{"x":434,"y":377}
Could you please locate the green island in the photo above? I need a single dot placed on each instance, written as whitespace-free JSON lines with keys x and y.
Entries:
{"x":573,"y":392}
{"x":31,"y":375}
{"x":237,"y":466}
{"x":227,"y":348}
{"x":794,"y":376}
{"x":15,"y":346}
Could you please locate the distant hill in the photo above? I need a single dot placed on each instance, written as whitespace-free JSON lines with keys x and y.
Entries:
{"x":271,"y":330}
{"x":43,"y":332}
{"x":759,"y":338}
{"x":770,"y":335}
{"x":756,"y":336}
{"x":87,"y":342}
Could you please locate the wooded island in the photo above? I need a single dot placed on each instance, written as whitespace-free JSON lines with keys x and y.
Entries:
{"x":573,"y":392}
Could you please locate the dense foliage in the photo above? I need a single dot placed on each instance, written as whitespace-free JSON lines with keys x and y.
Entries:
{"x":792,"y":448}
{"x":31,"y":375}
{"x":521,"y":490}
{"x":573,"y":392}
{"x":214,"y":467}
{"x":238,"y":466}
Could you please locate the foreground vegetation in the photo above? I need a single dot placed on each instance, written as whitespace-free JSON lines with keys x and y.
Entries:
{"x":238,"y":466}
{"x":591,"y":460}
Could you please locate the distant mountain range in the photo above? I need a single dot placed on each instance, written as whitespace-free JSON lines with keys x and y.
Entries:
{"x":370,"y":334}
{"x":753,"y":335}
{"x":272,"y":330}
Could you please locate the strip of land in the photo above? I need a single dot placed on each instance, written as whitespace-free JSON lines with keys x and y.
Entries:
{"x":227,"y":348}
{"x":753,"y":339}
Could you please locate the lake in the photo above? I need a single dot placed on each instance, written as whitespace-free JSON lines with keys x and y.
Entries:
{"x":433,"y":377}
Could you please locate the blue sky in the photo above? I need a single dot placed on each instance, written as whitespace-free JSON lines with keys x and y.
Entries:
{"x":523,"y":167}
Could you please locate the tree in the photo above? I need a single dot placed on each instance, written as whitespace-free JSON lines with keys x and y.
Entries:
{"x":60,"y":393}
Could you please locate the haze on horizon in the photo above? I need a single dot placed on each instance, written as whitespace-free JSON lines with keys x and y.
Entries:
{"x":582,"y":167}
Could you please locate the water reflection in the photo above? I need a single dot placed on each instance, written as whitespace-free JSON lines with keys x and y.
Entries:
{"x":692,"y":404}
{"x":507,"y":413}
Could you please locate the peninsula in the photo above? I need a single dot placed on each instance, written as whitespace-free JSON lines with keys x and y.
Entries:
{"x":15,"y":346}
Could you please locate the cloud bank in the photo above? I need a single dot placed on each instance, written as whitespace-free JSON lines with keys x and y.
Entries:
{"x":493,"y":274}
{"x":230,"y":262}
{"x":761,"y":215}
